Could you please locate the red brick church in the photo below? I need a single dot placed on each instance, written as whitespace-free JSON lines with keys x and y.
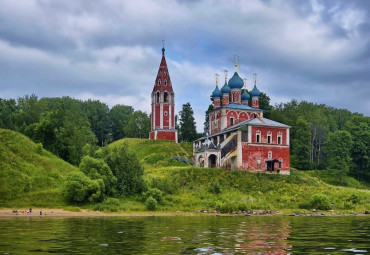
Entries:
{"x":239,"y":136}
{"x":163,"y":105}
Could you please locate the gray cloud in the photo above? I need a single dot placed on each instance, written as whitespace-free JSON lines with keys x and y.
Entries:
{"x":308,"y":50}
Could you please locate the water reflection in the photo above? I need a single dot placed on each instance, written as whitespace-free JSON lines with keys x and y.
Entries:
{"x":185,"y":235}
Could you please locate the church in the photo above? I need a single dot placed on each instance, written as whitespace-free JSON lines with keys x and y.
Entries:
{"x":239,"y":136}
{"x":163,"y":105}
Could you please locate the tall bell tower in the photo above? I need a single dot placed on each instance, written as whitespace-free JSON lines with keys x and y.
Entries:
{"x":163,"y":105}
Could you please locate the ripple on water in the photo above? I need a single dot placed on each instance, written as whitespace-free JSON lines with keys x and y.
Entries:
{"x":354,"y":250}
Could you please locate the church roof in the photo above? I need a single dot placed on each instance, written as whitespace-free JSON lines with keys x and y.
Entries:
{"x":216,"y":93}
{"x":163,"y":80}
{"x":236,"y":82}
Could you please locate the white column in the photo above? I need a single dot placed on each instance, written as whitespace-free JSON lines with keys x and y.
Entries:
{"x":239,"y":162}
{"x":169,"y":115}
{"x":161,"y":111}
{"x":249,"y":134}
{"x":287,"y":136}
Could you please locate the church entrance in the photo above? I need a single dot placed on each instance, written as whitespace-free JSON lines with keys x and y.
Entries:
{"x":212,"y":161}
{"x":270,"y":165}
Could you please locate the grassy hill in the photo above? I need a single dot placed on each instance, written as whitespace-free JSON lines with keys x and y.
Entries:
{"x":29,"y":175}
{"x":188,"y":188}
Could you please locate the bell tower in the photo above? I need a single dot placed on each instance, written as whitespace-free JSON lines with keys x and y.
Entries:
{"x":163,"y":105}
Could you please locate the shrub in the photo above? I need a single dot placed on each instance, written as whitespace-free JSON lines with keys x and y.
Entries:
{"x":154,"y":193}
{"x":97,"y":169}
{"x":109,"y":204}
{"x":320,"y":202}
{"x":215,"y":188}
{"x":80,"y":189}
{"x":151,"y":203}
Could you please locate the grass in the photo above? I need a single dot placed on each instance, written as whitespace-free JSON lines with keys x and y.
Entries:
{"x":31,"y":176}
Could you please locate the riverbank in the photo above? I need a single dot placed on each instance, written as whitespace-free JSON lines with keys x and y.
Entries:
{"x":54,"y":212}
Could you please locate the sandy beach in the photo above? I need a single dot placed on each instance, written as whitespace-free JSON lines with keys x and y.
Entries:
{"x":8,"y":212}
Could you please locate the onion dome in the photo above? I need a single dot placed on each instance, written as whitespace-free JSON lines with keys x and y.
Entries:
{"x":255,"y":92}
{"x":225,"y":89}
{"x":245,"y":95}
{"x":216,"y":93}
{"x":236,"y":82}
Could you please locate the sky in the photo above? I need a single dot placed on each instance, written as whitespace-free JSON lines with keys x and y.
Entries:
{"x":317,"y":51}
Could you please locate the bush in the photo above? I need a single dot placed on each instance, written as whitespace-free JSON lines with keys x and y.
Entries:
{"x":97,"y":169}
{"x":109,"y":204}
{"x":79,"y":188}
{"x":320,"y":202}
{"x":151,"y":203}
{"x":215,"y":188}
{"x":154,"y":193}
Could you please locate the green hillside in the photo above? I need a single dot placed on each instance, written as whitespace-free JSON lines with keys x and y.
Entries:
{"x":29,"y":175}
{"x":189,"y":188}
{"x":157,"y":153}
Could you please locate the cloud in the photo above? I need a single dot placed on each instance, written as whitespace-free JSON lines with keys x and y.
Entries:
{"x":308,"y":50}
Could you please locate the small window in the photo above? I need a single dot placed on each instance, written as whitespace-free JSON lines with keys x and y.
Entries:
{"x":165,"y":113}
{"x":269,"y":155}
{"x":165,"y":97}
{"x":231,"y":121}
{"x":165,"y":83}
{"x":159,"y":82}
{"x":269,"y":137}
{"x":279,"y":138}
{"x":258,"y":137}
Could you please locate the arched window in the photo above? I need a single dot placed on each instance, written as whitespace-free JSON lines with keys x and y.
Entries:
{"x":159,"y":82}
{"x":157,"y":97}
{"x":258,"y":136}
{"x":165,"y":97}
{"x":269,"y":155}
{"x":279,"y":138}
{"x":269,"y":137}
{"x":165,"y":83}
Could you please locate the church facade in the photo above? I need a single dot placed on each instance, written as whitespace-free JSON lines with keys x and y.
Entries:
{"x":163,"y":105}
{"x":239,"y":136}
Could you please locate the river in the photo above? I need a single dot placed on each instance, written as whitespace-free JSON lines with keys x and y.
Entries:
{"x":186,"y":235}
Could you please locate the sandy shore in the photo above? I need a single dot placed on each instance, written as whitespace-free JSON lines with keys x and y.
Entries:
{"x":8,"y":212}
{"x":83,"y":213}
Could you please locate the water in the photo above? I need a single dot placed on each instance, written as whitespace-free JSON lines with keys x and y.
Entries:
{"x":186,"y":235}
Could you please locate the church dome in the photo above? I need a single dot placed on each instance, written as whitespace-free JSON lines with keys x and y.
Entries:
{"x":245,"y":95}
{"x":216,"y":93}
{"x":255,"y":92}
{"x":225,"y":89}
{"x":236,"y":82}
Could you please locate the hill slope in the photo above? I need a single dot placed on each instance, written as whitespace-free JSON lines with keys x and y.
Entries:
{"x":157,"y":153}
{"x":190,"y":188}
{"x":29,"y":175}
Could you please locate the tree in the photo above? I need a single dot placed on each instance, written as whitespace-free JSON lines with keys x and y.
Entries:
{"x":63,"y":129}
{"x":301,"y":144}
{"x":97,"y":114}
{"x":359,"y":128}
{"x":138,"y":126}
{"x":8,"y":110}
{"x":126,"y":167}
{"x":187,"y":129}
{"x":264,"y":104}
{"x":338,"y":148}
{"x":206,"y":122}
{"x":97,"y":169}
{"x":119,"y":116}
